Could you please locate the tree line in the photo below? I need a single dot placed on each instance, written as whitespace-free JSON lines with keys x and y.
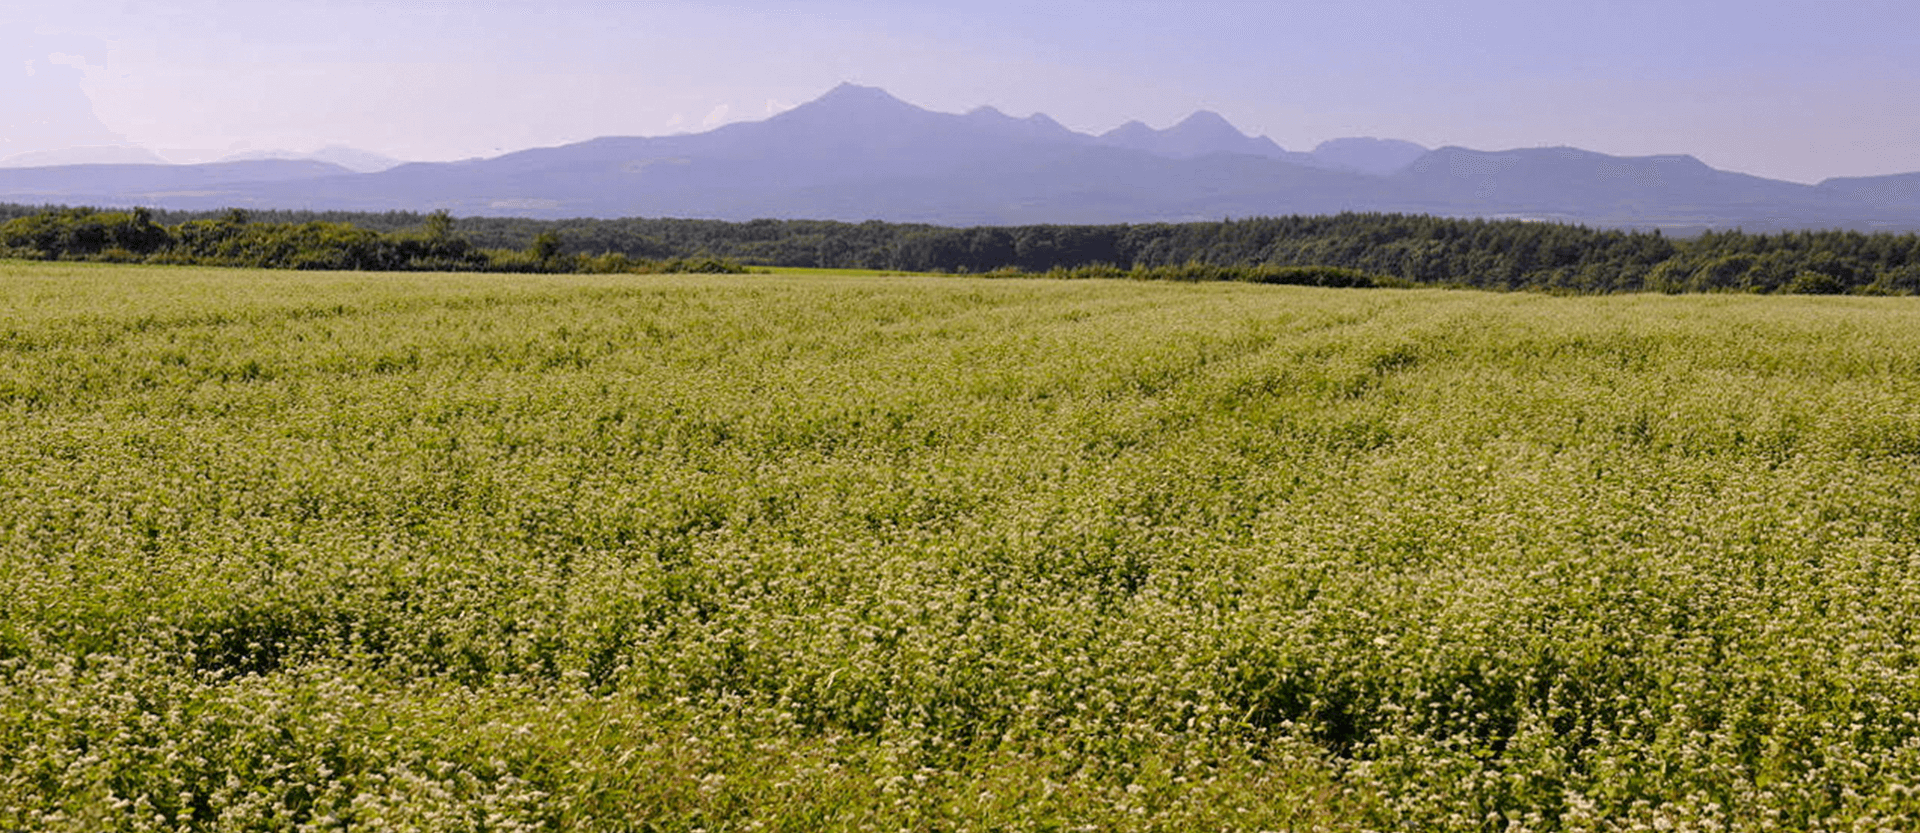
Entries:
{"x":1352,"y":249}
{"x":236,"y":238}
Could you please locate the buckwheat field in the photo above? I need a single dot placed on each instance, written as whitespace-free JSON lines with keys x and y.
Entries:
{"x":326,"y":551}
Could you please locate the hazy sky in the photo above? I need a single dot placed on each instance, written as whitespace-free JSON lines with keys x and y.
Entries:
{"x":1795,"y":89}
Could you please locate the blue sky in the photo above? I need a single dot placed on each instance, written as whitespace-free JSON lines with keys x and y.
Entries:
{"x":1800,"y":89}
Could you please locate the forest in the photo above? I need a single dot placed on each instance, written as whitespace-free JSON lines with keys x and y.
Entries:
{"x":1353,"y":249}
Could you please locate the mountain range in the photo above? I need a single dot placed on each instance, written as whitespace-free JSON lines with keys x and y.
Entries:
{"x":858,"y":153}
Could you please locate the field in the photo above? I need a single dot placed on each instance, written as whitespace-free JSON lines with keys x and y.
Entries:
{"x":330,"y":551}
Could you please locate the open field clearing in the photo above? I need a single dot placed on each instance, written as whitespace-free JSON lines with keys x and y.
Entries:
{"x":325,"y":551}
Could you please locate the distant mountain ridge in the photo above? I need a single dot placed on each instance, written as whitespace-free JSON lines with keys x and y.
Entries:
{"x":1368,"y":155}
{"x":859,"y":153}
{"x":161,"y":185}
{"x":84,"y":155}
{"x":353,"y":159}
{"x":1201,"y":134}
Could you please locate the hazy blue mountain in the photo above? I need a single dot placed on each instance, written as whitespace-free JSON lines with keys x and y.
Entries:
{"x":1569,"y":184}
{"x":84,"y":155}
{"x":224,"y":183}
{"x":855,"y":154}
{"x":1367,"y":154}
{"x":858,"y":153}
{"x":1895,"y":192}
{"x":1037,"y":127}
{"x":353,"y":159}
{"x":1201,"y":134}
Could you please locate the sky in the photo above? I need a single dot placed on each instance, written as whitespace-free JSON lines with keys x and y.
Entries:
{"x":1792,"y":89}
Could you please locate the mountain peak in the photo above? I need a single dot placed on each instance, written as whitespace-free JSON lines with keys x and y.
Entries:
{"x":1036,"y":126}
{"x":1043,"y":120}
{"x":1202,"y":133}
{"x":850,"y":93}
{"x":1206,"y":120}
{"x":846,"y":105}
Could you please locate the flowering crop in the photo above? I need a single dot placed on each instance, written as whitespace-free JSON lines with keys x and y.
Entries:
{"x":320,"y":551}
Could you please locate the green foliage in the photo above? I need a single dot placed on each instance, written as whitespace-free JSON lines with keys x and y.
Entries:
{"x":439,"y":226}
{"x":1809,"y":282}
{"x":1328,"y":276}
{"x":233,"y":238}
{"x":296,"y":550}
{"x":1341,"y":250}
{"x":545,"y":247}
{"x":82,"y":233}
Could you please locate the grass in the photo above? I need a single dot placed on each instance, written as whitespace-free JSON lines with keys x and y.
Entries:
{"x":315,"y":551}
